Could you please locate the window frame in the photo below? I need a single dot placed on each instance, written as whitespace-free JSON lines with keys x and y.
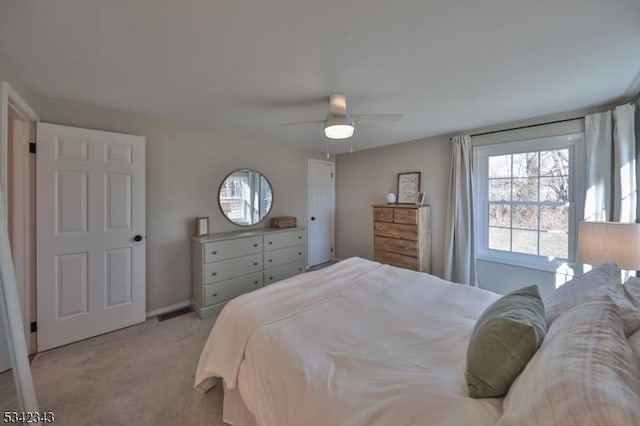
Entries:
{"x":574,"y":142}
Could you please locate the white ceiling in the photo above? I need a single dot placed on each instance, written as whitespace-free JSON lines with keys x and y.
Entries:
{"x":243,"y":67}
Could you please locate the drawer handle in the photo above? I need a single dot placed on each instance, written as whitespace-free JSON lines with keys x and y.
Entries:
{"x":299,"y":253}
{"x":270,"y":242}
{"x":214,"y":295}
{"x":255,"y":245}
{"x":299,"y":269}
{"x":255,"y":282}
{"x":299,"y":237}
{"x":255,"y":263}
{"x":271,"y":278}
{"x":213,"y":274}
{"x":214,"y":252}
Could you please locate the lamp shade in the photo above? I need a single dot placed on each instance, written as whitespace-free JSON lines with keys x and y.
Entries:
{"x":601,"y":242}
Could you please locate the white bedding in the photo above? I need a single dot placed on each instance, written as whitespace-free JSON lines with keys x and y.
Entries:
{"x":358,"y":343}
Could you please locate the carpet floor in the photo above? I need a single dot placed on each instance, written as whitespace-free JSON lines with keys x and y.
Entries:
{"x":140,"y":375}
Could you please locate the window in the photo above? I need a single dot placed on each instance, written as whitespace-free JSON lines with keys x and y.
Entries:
{"x":525,"y":201}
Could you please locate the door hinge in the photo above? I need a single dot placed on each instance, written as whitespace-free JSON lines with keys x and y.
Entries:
{"x":331,"y":174}
{"x":32,"y":147}
{"x":34,"y":326}
{"x":331,"y":249}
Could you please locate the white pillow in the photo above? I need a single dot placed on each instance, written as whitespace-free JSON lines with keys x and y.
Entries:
{"x":601,"y":280}
{"x":632,"y":290}
{"x":583,"y":373}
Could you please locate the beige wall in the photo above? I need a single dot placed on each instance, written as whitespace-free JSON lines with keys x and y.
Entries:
{"x":8,"y":74}
{"x":184,"y":170}
{"x":365,"y":177}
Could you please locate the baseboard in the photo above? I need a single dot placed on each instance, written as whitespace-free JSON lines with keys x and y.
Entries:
{"x":169,"y":308}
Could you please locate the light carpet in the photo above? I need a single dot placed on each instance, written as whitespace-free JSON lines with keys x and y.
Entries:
{"x":140,"y":375}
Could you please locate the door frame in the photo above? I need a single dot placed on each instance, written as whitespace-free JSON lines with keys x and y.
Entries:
{"x":10,"y":98}
{"x":333,"y":217}
{"x":12,"y":318}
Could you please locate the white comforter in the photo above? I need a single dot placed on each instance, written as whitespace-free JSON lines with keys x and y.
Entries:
{"x":358,"y":343}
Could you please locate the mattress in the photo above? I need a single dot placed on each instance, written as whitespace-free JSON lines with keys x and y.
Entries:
{"x":358,"y":343}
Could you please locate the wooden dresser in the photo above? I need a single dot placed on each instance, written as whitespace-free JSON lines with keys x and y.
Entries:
{"x":229,"y":264}
{"x":402,"y":236}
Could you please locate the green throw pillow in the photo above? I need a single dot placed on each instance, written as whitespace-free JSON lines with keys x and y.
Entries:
{"x":503,"y":341}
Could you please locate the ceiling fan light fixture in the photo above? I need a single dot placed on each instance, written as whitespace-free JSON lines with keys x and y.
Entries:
{"x":338,"y":131}
{"x":338,"y":127}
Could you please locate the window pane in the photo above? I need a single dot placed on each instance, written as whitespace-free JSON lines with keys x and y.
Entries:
{"x":554,"y":163}
{"x":554,"y":218}
{"x":525,"y":165}
{"x":499,"y":189}
{"x":554,"y":188}
{"x":525,"y":217}
{"x":499,"y":238}
{"x":500,"y":166}
{"x":554,"y":244}
{"x":500,"y":215}
{"x":525,"y":241}
{"x":525,"y":189}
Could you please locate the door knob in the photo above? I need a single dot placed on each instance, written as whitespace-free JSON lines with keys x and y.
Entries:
{"x":313,"y":218}
{"x":137,"y":238}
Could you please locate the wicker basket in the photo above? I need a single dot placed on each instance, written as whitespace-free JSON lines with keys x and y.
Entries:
{"x":284,"y":222}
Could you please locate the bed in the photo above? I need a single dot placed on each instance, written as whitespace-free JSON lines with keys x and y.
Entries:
{"x":357,"y":343}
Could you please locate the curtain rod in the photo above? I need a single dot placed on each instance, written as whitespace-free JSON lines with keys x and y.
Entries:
{"x":525,"y":127}
{"x":635,"y":101}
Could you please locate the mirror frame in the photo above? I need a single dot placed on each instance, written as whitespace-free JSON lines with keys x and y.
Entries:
{"x":272,"y":197}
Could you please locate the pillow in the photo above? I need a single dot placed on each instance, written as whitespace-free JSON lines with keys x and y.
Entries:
{"x":632,"y":290}
{"x":505,"y":337}
{"x":583,"y":374}
{"x":601,"y":280}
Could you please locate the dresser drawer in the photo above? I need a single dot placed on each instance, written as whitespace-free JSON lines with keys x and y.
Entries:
{"x":396,"y":230}
{"x":220,"y":250}
{"x":401,"y":215}
{"x":286,"y":255}
{"x":394,"y":245}
{"x":283,"y":272}
{"x":283,"y":239}
{"x":383,"y":214}
{"x":225,"y":290}
{"x":220,"y":271}
{"x":395,"y":259}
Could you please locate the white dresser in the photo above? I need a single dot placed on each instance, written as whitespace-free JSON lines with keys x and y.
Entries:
{"x":229,"y":264}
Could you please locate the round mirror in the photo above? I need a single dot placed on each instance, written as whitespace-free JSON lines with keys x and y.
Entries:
{"x":245,"y":197}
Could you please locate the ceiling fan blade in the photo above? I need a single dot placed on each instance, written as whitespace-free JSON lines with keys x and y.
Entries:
{"x":375,"y":118}
{"x":338,"y":104}
{"x":295,"y":123}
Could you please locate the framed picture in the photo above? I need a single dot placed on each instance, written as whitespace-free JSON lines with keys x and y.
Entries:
{"x":408,"y":187}
{"x":420,"y":199}
{"x":202,"y":226}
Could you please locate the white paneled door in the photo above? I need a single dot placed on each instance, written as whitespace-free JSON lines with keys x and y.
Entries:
{"x":321,"y":211}
{"x":90,"y":203}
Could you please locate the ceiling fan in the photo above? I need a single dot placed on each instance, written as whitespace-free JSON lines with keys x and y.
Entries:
{"x":339,"y":124}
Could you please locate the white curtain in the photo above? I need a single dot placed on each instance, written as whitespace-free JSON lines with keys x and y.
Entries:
{"x":599,"y":146}
{"x":459,"y":263}
{"x":611,"y":166}
{"x":624,"y":179}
